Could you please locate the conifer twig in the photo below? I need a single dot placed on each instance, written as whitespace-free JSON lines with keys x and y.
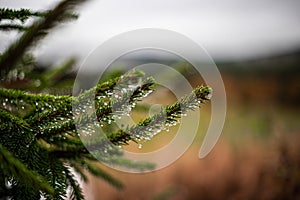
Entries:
{"x":21,"y":14}
{"x":149,"y":127}
{"x":13,"y":54}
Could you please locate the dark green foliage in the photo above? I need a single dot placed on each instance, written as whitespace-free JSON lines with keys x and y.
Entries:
{"x":40,"y":146}
{"x":9,"y":27}
{"x":149,"y":127}
{"x":14,"y":53}
{"x":22,"y":14}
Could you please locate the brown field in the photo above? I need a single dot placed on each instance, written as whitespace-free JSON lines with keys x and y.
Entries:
{"x":257,"y":170}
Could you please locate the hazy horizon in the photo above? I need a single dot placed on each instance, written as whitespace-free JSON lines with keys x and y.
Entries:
{"x":231,"y":30}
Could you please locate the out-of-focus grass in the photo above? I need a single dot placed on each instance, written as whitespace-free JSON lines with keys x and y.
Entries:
{"x":256,"y":158}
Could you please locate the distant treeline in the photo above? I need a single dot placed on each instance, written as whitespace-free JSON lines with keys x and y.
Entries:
{"x":274,"y":79}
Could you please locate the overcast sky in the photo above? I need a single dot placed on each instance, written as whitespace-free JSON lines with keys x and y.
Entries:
{"x":229,"y":29}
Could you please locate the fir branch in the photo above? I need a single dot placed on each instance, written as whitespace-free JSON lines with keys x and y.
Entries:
{"x":13,"y":54}
{"x":104,"y":109}
{"x":149,"y":127}
{"x":21,"y":14}
{"x":48,"y":132}
{"x":146,"y":129}
{"x":93,"y":169}
{"x":54,"y":74}
{"x":9,"y":27}
{"x":117,"y":160}
{"x":12,"y":167}
{"x":110,"y":108}
{"x":60,"y":106}
{"x":103,"y":112}
{"x":78,"y":169}
{"x":76,"y":192}
{"x":21,"y":96}
{"x":9,"y":121}
{"x":57,"y":178}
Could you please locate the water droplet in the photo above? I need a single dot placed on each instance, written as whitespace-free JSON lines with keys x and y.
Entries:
{"x":21,"y":76}
{"x":37,"y":83}
{"x":140,"y":146}
{"x":209,"y":96}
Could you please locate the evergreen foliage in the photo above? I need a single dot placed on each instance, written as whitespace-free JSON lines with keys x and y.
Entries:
{"x":40,"y":147}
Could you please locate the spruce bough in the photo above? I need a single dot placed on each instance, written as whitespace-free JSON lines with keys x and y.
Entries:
{"x":40,"y":146}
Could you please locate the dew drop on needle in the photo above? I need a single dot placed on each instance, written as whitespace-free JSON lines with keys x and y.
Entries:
{"x":140,"y":146}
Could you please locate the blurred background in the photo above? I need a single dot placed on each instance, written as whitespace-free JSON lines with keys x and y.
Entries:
{"x":256,"y":46}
